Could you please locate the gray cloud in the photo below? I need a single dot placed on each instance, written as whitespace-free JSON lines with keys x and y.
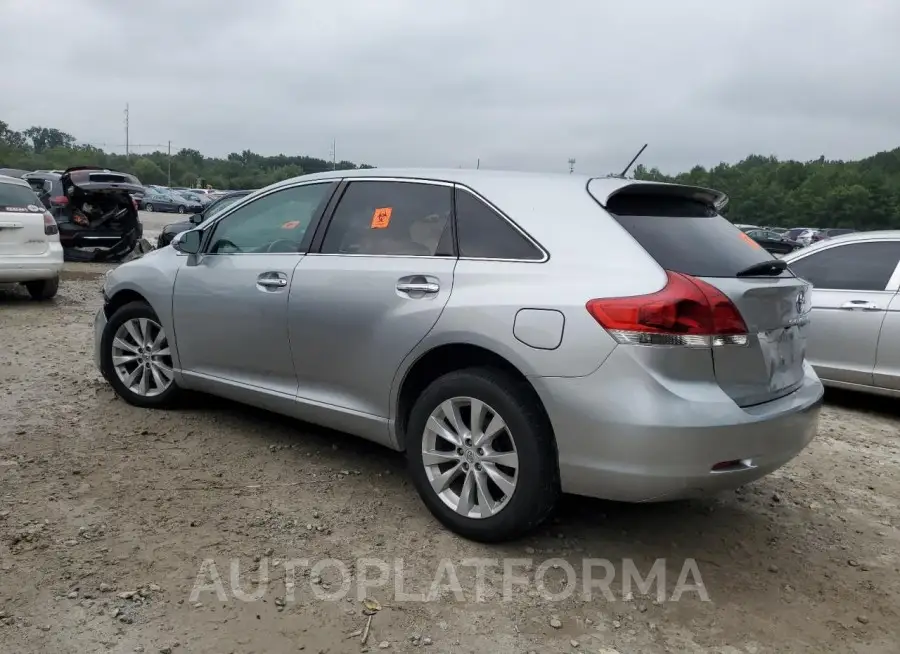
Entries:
{"x":519,"y":83}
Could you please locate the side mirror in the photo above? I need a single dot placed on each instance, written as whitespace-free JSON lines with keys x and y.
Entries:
{"x":196,"y":219}
{"x":187,"y":242}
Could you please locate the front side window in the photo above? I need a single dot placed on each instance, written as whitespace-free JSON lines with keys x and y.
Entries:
{"x":484,"y":234}
{"x":855,"y":266}
{"x":392,"y":218}
{"x":277,"y":222}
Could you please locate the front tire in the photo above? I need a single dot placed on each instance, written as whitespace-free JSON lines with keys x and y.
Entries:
{"x":136,"y":358}
{"x":482,"y":455}
{"x":181,"y":209}
{"x":148,"y":207}
{"x":43,"y":289}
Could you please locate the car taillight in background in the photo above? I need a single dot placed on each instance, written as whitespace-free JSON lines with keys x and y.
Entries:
{"x":59,"y":201}
{"x":687,"y":312}
{"x":50,"y":226}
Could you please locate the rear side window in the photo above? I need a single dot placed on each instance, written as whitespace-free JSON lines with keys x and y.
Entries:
{"x":18,"y":197}
{"x":853,"y":267}
{"x":484,"y":234}
{"x":685,"y":235}
{"x":391,"y":218}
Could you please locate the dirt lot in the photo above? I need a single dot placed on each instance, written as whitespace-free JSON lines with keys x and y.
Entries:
{"x":107,"y":513}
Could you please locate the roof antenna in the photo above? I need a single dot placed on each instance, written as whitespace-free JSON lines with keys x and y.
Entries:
{"x":631,"y":163}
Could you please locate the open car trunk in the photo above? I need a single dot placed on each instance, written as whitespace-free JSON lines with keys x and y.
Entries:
{"x":97,"y":218}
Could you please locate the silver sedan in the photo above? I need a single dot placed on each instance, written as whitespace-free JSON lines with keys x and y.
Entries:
{"x":854,"y":336}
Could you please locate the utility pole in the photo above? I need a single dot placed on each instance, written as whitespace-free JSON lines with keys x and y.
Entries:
{"x":333,"y":154}
{"x":478,"y":164}
{"x":571,"y":166}
{"x":126,"y":130}
{"x":170,"y":164}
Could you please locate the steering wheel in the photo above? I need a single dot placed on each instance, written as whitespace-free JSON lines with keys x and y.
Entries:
{"x":222,"y":243}
{"x":275,"y":246}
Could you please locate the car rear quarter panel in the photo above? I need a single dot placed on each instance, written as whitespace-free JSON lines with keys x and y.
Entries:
{"x":590,"y":256}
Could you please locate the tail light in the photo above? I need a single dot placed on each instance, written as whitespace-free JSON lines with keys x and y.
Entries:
{"x":687,"y":312}
{"x":59,"y":201}
{"x":50,"y":226}
{"x":135,"y":203}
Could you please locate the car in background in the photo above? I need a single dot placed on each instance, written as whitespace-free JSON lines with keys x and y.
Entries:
{"x":854,"y":335}
{"x":30,"y":251}
{"x":809,"y":236}
{"x":13,"y":172}
{"x":96,"y":214}
{"x":772,"y":242}
{"x":437,"y":313}
{"x":156,"y":199}
{"x":794,"y":232}
{"x":197,"y":198}
{"x":170,"y":231}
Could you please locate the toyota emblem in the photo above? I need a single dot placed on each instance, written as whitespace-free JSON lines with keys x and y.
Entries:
{"x":801,"y":300}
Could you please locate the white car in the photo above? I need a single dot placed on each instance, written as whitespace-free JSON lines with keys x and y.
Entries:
{"x":30,"y":251}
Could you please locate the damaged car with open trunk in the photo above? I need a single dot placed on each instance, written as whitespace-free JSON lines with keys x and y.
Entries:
{"x":97,"y":217}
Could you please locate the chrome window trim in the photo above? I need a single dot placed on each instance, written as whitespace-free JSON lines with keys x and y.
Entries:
{"x":893,"y":283}
{"x":249,"y":199}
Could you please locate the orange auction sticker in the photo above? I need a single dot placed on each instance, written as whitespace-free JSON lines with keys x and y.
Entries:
{"x":381,"y":218}
{"x":292,"y":224}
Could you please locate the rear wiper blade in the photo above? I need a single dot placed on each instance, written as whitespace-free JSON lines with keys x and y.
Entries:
{"x":774,"y":267}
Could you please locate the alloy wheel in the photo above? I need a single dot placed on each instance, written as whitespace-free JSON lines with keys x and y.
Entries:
{"x":470,"y":457}
{"x":141,"y":357}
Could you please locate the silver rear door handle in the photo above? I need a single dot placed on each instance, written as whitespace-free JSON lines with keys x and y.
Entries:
{"x":272,"y":280}
{"x":425,"y":287}
{"x":860,"y":305}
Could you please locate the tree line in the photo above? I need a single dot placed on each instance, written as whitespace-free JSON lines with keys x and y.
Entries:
{"x":863,"y":194}
{"x":47,"y":148}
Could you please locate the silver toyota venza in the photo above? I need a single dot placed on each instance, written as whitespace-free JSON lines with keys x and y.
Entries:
{"x":516,"y":335}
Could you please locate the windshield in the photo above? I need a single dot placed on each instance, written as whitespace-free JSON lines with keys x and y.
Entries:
{"x":218,"y":207}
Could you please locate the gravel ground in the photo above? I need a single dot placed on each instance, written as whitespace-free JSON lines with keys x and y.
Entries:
{"x":107,"y":513}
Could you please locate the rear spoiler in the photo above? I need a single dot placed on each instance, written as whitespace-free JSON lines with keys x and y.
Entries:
{"x":604,"y":188}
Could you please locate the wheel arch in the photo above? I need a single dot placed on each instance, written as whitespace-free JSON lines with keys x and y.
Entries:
{"x":440,"y":360}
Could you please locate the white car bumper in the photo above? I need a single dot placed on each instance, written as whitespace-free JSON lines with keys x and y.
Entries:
{"x":28,"y":268}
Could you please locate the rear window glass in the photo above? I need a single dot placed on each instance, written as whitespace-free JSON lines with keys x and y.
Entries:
{"x":17,"y":196}
{"x":685,"y":235}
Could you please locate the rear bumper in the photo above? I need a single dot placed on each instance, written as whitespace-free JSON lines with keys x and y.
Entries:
{"x":15,"y":269}
{"x":77,"y":237}
{"x":624,"y":434}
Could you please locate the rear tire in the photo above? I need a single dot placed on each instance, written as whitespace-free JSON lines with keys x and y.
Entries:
{"x":527,"y":436}
{"x":181,"y":209}
{"x":43,"y":289}
{"x":119,"y":359}
{"x":148,"y":207}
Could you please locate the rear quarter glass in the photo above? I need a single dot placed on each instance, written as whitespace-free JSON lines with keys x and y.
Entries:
{"x":685,"y":235}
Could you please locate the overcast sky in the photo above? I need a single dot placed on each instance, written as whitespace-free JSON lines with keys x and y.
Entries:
{"x":522,"y":84}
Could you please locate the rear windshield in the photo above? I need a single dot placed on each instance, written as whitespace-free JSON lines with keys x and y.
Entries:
{"x":685,"y":235}
{"x":18,"y":196}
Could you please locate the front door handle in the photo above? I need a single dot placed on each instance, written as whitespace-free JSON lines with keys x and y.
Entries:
{"x":272,"y":280}
{"x":860,"y":305}
{"x":423,"y":287}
